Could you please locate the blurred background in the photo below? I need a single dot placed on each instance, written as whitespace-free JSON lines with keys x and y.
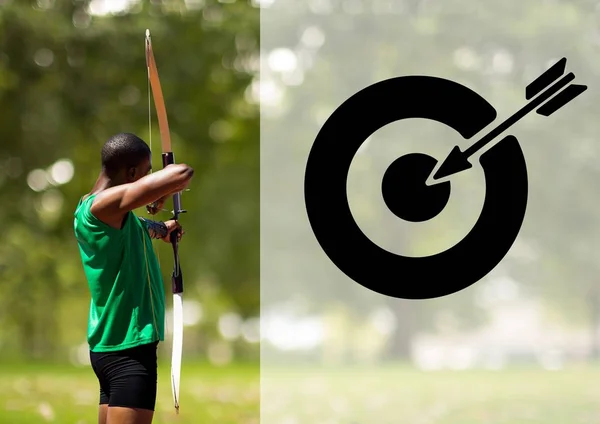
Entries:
{"x":519,"y":346}
{"x":73,"y":73}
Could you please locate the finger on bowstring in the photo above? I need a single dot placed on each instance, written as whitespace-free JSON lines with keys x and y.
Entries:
{"x":153,"y":210}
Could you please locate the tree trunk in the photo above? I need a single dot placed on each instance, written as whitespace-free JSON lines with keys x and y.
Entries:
{"x":399,"y":346}
{"x":400,"y":343}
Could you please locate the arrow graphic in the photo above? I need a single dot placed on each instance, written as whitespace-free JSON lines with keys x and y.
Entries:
{"x":458,"y":160}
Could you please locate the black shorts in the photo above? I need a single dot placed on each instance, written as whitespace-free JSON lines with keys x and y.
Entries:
{"x":128,"y":378}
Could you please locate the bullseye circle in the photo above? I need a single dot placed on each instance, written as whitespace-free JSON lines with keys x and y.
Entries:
{"x":442,"y":101}
{"x":406,"y":193}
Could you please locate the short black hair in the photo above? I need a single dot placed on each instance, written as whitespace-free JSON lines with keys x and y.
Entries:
{"x":123,"y":151}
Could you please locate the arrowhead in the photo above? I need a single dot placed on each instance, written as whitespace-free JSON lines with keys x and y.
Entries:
{"x":456,"y":162}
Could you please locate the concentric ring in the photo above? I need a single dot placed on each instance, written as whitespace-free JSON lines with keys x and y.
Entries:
{"x":377,"y":269}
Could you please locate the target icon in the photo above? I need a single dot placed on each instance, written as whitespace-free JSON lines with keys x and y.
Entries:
{"x":405,"y":187}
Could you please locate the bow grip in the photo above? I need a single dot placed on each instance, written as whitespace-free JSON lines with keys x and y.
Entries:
{"x":168,"y":158}
{"x":177,"y":282}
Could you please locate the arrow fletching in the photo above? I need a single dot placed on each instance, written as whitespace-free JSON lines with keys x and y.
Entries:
{"x":561,"y":99}
{"x":547,"y":78}
{"x":540,"y":86}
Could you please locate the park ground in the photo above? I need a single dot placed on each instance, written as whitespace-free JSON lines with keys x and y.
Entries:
{"x":394,"y":395}
{"x":68,"y":395}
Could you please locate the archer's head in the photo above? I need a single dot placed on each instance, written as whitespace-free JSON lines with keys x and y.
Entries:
{"x":125,"y":158}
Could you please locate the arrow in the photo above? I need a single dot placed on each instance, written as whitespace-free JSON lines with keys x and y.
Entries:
{"x":458,"y":160}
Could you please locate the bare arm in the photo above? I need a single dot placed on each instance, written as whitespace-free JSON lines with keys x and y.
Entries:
{"x":111,"y":205}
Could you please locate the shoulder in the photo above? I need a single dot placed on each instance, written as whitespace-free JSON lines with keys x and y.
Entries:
{"x":84,"y":205}
{"x":86,"y":219}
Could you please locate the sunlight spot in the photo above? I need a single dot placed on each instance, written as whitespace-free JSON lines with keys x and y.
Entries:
{"x":266,"y":92}
{"x":46,"y":411}
{"x":105,"y":7}
{"x":313,"y":37}
{"x":384,"y":321}
{"x":62,"y":171}
{"x":467,"y":59}
{"x":213,"y":14}
{"x":192,"y":312}
{"x":503,"y":62}
{"x":52,"y":201}
{"x":43,"y":57}
{"x":262,"y":3}
{"x":80,"y":355}
{"x":251,"y":330}
{"x":194,"y":4}
{"x":81,"y":19}
{"x":282,"y":60}
{"x":287,"y":333}
{"x":230,"y":326}
{"x":45,"y":4}
{"x":320,"y":7}
{"x":37,"y":180}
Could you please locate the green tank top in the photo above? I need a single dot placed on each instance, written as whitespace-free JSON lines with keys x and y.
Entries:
{"x":127,"y":308}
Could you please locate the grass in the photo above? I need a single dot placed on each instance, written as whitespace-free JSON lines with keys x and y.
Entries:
{"x":384,"y":395}
{"x":67,"y":395}
{"x":396,"y":395}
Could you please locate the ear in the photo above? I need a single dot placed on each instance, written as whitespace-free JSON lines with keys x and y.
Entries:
{"x":131,"y":174}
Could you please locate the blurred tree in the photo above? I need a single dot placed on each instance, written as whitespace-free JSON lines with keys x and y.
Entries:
{"x":70,"y":78}
{"x":561,"y":154}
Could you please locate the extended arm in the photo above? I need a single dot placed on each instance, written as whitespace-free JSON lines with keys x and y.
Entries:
{"x":111,"y":205}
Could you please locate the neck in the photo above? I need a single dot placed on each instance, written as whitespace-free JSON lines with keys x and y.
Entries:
{"x":103,"y":182}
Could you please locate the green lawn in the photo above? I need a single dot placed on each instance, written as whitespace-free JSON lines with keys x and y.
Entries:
{"x":65,"y":395}
{"x":396,"y":395}
{"x":391,"y":395}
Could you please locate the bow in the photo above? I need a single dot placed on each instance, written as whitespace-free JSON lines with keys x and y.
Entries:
{"x":168,"y":158}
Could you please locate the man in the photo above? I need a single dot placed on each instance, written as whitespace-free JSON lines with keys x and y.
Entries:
{"x":127,"y":310}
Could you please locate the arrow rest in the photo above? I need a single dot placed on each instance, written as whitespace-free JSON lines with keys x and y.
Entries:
{"x":179,"y":212}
